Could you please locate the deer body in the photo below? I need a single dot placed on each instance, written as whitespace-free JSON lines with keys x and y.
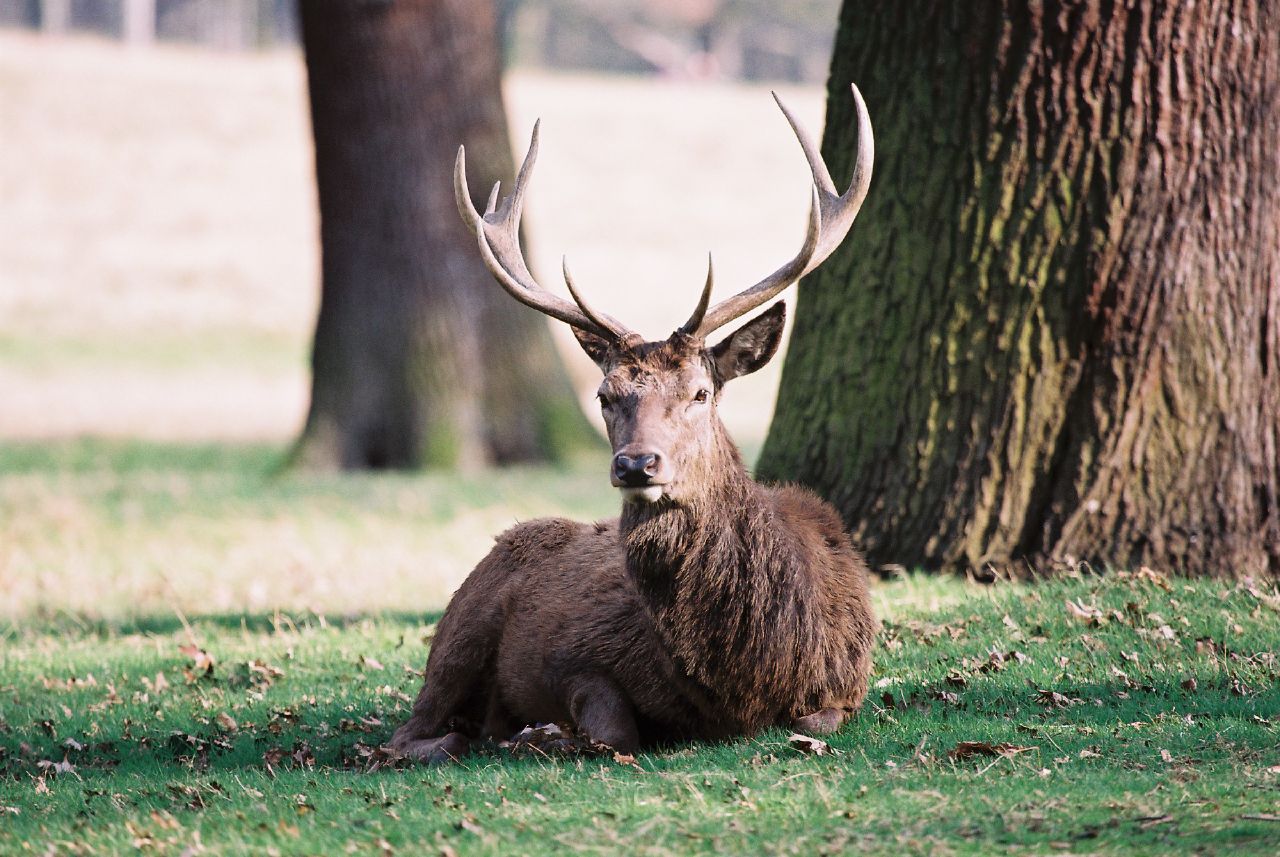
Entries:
{"x":714,"y":606}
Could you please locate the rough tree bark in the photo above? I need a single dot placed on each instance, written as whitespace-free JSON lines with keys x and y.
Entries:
{"x":419,"y":357}
{"x":1054,"y":336}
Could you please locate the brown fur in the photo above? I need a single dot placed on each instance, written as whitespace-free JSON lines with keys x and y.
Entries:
{"x":722,"y":609}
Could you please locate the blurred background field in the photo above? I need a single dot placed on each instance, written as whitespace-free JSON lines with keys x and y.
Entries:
{"x":158,"y":290}
{"x":160,"y":251}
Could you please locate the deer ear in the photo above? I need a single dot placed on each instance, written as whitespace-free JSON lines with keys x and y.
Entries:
{"x":597,"y":347}
{"x":750,"y":346}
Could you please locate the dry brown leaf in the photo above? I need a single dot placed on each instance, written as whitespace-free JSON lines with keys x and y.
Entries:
{"x":808,"y":746}
{"x":1091,"y":616}
{"x":1055,"y":699}
{"x":374,"y":758}
{"x":56,"y":768}
{"x":1272,"y":601}
{"x":263,"y":673}
{"x":624,"y":759}
{"x":272,"y":758}
{"x":202,"y":661}
{"x":370,"y":663}
{"x":227,"y":722}
{"x":1154,"y":577}
{"x":969,"y":749}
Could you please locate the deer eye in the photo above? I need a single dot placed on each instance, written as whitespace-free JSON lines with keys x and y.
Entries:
{"x":701,"y":396}
{"x":604,"y":400}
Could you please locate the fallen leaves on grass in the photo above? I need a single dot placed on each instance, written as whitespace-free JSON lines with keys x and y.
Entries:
{"x":1153,"y":577}
{"x":1054,"y":699}
{"x":363,"y":724}
{"x":71,"y":683}
{"x":256,"y":674}
{"x":1269,"y":599}
{"x":194,"y":750}
{"x":626,"y":760}
{"x":998,"y":660}
{"x":551,"y":739}
{"x":300,"y":756}
{"x":157,"y":685}
{"x":55,"y":769}
{"x":808,"y":746}
{"x":1087,"y":614}
{"x":369,"y":758}
{"x":970,"y":749}
{"x":202,"y":663}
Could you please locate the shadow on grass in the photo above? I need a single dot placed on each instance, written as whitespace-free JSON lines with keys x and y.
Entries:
{"x":298,"y":729}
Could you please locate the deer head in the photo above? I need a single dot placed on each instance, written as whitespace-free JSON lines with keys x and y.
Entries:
{"x":659,"y":398}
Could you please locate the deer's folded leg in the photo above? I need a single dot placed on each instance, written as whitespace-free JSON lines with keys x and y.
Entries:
{"x":438,"y":751}
{"x":601,"y":710}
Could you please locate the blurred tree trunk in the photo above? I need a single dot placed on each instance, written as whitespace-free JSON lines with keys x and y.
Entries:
{"x":419,"y":358}
{"x":1054,"y":336}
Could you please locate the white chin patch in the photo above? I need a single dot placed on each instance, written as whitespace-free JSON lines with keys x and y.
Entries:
{"x":647,"y":494}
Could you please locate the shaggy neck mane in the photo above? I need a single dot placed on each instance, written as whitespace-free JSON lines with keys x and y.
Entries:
{"x":726,"y":584}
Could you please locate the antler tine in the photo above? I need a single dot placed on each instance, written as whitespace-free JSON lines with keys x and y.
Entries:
{"x":605,"y":322}
{"x":830,"y":217}
{"x":700,"y":311}
{"x":497,"y":234}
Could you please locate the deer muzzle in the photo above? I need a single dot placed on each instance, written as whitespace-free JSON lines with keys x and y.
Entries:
{"x":638,"y":470}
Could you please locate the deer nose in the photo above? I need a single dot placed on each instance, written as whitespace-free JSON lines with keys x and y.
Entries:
{"x":637,"y":471}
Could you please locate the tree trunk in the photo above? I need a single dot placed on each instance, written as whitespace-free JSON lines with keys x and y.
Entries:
{"x":1055,"y":335}
{"x":419,"y":357}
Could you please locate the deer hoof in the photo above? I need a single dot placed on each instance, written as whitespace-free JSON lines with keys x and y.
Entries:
{"x":822,"y":722}
{"x":438,"y":751}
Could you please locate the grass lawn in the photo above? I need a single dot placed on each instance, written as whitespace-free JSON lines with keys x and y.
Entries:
{"x":140,"y":709}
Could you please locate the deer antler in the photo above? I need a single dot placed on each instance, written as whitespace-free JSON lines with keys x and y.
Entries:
{"x":497,"y":232}
{"x":830,"y":217}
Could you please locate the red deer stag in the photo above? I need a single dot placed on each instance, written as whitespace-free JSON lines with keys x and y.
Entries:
{"x":715,"y":606}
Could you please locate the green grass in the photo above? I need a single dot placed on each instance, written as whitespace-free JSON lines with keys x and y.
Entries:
{"x":1163,"y":739}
